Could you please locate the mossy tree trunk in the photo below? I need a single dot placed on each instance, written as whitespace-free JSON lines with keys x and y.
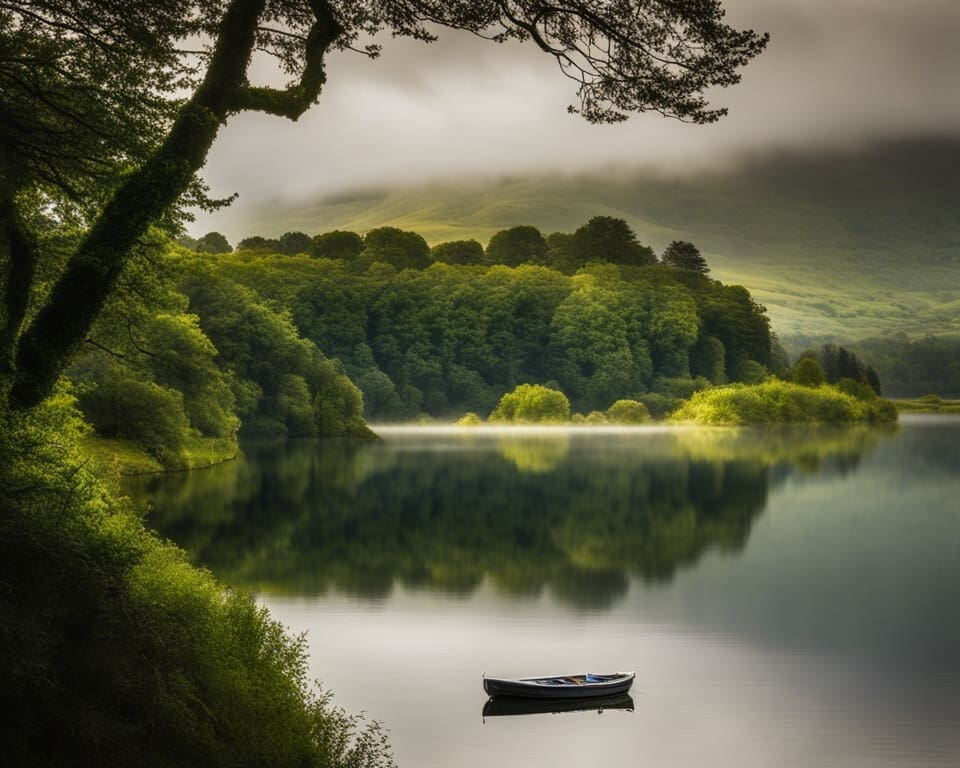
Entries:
{"x":34,"y":356}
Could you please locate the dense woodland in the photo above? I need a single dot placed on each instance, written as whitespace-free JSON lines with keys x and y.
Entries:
{"x":208,"y":345}
{"x":450,"y":329}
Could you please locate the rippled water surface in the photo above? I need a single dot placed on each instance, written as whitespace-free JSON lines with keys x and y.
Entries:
{"x":787,"y":598}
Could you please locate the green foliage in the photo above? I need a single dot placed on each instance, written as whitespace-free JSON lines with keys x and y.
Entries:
{"x":515,"y":246}
{"x":149,"y":374}
{"x":609,"y":239}
{"x":127,"y":654}
{"x":453,"y":338}
{"x":282,"y":382}
{"x":858,"y":389}
{"x":808,"y":373}
{"x":678,"y":388}
{"x":628,"y":412}
{"x":127,"y":407}
{"x":684,"y":255}
{"x":400,"y":249}
{"x":292,"y":243}
{"x":561,"y":254}
{"x":928,"y":404}
{"x":258,"y":243}
{"x":840,"y":363}
{"x":344,"y":246}
{"x":213,"y":242}
{"x":593,"y":338}
{"x":532,"y":404}
{"x":708,"y":359}
{"x":914,"y":367}
{"x":469,"y":419}
{"x":461,"y":252}
{"x":781,"y":402}
{"x":659,"y":405}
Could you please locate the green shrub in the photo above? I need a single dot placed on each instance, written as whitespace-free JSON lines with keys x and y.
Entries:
{"x":780,"y":402}
{"x":142,"y":411}
{"x":809,"y":373}
{"x":469,"y":419}
{"x":532,"y":404}
{"x":659,"y":406}
{"x":628,"y":412}
{"x":858,"y":389}
{"x":596,"y":417}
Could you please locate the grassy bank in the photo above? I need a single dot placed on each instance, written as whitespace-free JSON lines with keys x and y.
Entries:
{"x":125,"y":457}
{"x":928,"y":404}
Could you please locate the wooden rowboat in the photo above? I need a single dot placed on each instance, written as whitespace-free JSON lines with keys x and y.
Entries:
{"x":560,"y":686}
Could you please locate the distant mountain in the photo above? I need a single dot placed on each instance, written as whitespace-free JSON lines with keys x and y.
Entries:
{"x":842,"y":245}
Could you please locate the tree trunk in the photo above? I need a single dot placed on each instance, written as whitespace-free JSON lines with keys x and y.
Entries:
{"x":60,"y":327}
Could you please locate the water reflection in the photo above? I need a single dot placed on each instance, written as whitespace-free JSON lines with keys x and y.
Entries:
{"x":577,"y":513}
{"x":498,"y":707}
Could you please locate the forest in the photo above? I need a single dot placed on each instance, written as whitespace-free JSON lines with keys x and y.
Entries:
{"x":444,"y":330}
{"x":197,"y":348}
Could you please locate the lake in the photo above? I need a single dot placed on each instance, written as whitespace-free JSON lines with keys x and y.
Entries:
{"x":786,"y":597}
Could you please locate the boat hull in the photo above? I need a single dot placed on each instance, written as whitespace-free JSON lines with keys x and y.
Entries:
{"x":578,"y":687}
{"x":499,"y":706}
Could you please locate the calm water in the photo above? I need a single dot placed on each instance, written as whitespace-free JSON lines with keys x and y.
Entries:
{"x":787,"y":598}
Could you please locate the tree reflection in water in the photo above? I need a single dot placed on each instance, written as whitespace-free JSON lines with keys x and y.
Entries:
{"x":575,"y":512}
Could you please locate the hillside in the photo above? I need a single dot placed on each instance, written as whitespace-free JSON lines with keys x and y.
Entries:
{"x":851,"y":245}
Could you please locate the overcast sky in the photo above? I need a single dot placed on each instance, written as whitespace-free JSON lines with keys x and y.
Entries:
{"x":837,"y":73}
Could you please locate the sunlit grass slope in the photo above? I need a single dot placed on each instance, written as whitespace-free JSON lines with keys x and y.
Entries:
{"x":847,"y":245}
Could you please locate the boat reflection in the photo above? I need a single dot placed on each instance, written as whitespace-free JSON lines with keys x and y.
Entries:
{"x":508,"y":706}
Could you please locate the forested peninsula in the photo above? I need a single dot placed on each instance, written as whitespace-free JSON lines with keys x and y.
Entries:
{"x":198,"y":347}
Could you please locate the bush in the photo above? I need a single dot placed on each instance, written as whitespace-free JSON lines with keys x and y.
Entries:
{"x":659,"y":406}
{"x":594,"y":418}
{"x":532,"y":404}
{"x":469,"y":419}
{"x":138,"y":410}
{"x":858,"y":389}
{"x":126,"y":653}
{"x":781,"y":402}
{"x":809,"y":373}
{"x":628,"y":412}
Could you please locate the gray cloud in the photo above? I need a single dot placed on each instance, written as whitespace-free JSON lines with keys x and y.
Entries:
{"x":837,"y":73}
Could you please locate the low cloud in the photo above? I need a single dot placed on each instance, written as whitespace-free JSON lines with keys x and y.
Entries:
{"x":837,"y":73}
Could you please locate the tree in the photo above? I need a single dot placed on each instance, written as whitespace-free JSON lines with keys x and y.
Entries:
{"x":339,"y":245}
{"x":404,"y":250}
{"x":458,"y":252}
{"x":532,"y":404}
{"x":684,"y":255}
{"x":605,"y":238}
{"x":628,"y":412}
{"x":214,"y":242}
{"x":516,"y":246}
{"x":808,"y":373}
{"x":95,"y":124}
{"x":259,"y":243}
{"x":560,"y":253}
{"x":292,"y":243}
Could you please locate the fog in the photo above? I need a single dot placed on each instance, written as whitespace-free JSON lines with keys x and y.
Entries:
{"x":837,"y":74}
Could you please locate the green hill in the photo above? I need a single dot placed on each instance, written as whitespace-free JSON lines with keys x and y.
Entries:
{"x":843,"y":245}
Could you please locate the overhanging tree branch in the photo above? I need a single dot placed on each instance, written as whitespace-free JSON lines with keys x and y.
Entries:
{"x":64,"y":322}
{"x":296,"y":99}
